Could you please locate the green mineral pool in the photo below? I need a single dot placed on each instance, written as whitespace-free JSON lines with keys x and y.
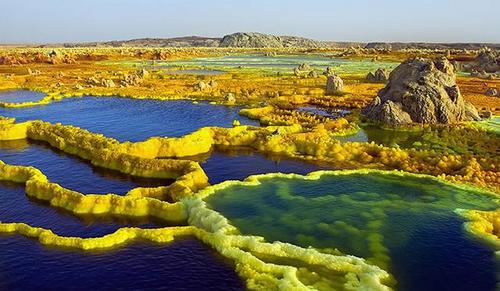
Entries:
{"x":403,"y":223}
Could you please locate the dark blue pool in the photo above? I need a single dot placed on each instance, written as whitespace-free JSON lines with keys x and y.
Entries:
{"x":130,"y":119}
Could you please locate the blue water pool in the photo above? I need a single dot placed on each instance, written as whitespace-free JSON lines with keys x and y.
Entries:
{"x":403,"y":224}
{"x":130,"y":119}
{"x":19,"y":96}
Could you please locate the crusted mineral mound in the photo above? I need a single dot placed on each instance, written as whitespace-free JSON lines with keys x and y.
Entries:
{"x":421,"y":91}
{"x":254,"y":39}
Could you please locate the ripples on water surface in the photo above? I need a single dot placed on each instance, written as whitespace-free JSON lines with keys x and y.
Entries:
{"x":185,"y":264}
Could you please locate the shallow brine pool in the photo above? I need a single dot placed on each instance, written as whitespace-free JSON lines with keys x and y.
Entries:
{"x":404,"y":224}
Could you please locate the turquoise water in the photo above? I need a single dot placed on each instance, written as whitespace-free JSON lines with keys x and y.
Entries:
{"x":404,"y":224}
{"x":19,"y":96}
{"x":131,"y":119}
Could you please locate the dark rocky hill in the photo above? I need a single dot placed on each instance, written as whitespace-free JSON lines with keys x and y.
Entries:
{"x":261,"y":40}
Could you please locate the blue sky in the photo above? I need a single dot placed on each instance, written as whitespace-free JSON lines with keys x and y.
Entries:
{"x":41,"y":21}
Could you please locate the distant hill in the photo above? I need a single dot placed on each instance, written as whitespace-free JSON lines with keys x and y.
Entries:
{"x":186,"y":41}
{"x":261,"y":40}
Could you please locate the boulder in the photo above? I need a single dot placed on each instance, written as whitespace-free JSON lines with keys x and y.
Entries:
{"x":334,"y":85}
{"x":93,"y":81}
{"x":143,"y":73}
{"x":302,"y":69}
{"x":212,"y":84}
{"x":312,"y":74}
{"x":380,"y":75}
{"x":108,"y":83}
{"x":201,"y":86}
{"x":131,"y":80}
{"x":421,"y":91}
{"x":230,"y":98}
{"x":491,"y":92}
{"x":329,"y":71}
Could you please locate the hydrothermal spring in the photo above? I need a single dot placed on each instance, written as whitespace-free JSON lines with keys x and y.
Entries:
{"x":200,"y":266}
{"x":405,"y":224}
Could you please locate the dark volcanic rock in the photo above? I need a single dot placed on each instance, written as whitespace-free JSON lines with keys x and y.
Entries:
{"x":260,"y":40}
{"x":421,"y":91}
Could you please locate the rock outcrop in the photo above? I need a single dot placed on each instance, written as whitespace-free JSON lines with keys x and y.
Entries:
{"x":492,"y":92}
{"x":260,"y":40}
{"x":487,"y":60}
{"x":329,"y":71}
{"x":380,"y":75}
{"x":302,"y":70}
{"x":334,"y":85}
{"x":421,"y":91}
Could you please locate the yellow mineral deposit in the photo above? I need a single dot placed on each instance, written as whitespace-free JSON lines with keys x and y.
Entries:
{"x":271,"y":98}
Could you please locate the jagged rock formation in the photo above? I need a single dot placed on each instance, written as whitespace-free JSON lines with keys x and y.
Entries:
{"x":302,"y":70}
{"x":334,"y":85}
{"x":380,"y":75}
{"x":421,"y":91}
{"x":488,"y":61}
{"x":260,"y":40}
